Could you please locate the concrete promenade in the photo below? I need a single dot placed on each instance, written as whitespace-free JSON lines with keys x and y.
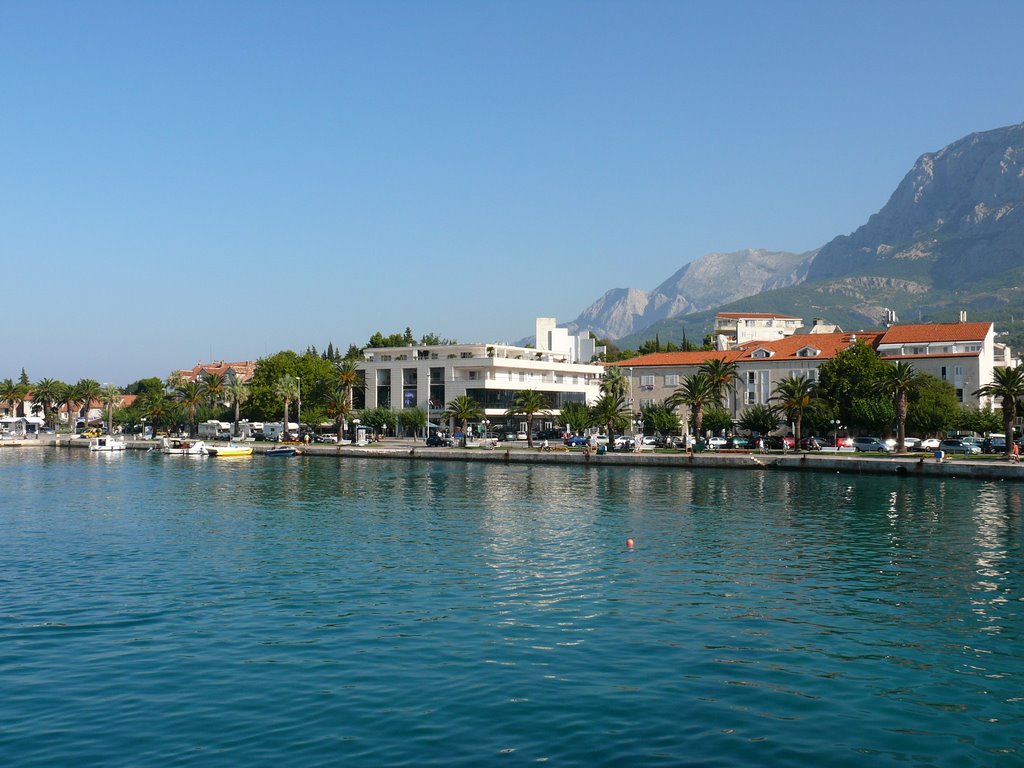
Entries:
{"x":413,"y":450}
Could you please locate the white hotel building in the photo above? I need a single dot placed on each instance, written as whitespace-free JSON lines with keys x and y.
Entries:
{"x":430,"y":376}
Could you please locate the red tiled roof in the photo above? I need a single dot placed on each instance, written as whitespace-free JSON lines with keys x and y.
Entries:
{"x":678,"y":358}
{"x":829,"y":344}
{"x":931,"y":332}
{"x":244,"y":369}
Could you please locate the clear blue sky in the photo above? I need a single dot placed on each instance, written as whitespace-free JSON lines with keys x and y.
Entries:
{"x":234,"y":178}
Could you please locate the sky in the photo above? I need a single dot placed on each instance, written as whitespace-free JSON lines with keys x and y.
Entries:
{"x":195,"y":181}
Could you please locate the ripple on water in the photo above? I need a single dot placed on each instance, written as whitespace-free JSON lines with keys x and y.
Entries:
{"x":378,"y":613}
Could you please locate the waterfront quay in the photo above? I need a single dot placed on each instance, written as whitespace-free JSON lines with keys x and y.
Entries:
{"x":408,"y":449}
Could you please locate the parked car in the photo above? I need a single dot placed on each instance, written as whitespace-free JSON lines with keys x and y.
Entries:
{"x":737,"y":441}
{"x":623,"y":443}
{"x":866,"y":444}
{"x":576,"y":441}
{"x":912,"y":443}
{"x":440,"y":441}
{"x":959,"y":445}
{"x":994,"y":444}
{"x":714,"y":443}
{"x":930,"y":444}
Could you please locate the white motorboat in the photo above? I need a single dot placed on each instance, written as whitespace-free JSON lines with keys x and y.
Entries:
{"x":107,"y":443}
{"x":175,"y":447}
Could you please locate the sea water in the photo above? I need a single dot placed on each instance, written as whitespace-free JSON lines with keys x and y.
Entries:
{"x":161,"y":611}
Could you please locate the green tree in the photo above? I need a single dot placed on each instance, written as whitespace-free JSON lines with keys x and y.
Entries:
{"x":338,"y":407}
{"x":794,"y":396}
{"x":614,"y":382}
{"x":899,"y":382}
{"x":528,"y":403}
{"x":463,"y":409}
{"x":287,"y":390}
{"x":612,"y":411}
{"x":159,"y":410}
{"x":47,"y":392}
{"x":175,"y":380}
{"x":23,"y":379}
{"x":723,"y":375}
{"x":1007,"y":386}
{"x":851,"y":384}
{"x":110,"y":397}
{"x":12,"y":393}
{"x":717,"y":420}
{"x":213,"y":388}
{"x":980,"y":420}
{"x":190,"y":395}
{"x":350,"y":379}
{"x":661,"y":418}
{"x":760,"y":419}
{"x":698,"y":393}
{"x":87,"y":391}
{"x":575,"y":417}
{"x":237,"y":391}
{"x":935,"y":405}
{"x":379,"y":419}
{"x":413,"y":419}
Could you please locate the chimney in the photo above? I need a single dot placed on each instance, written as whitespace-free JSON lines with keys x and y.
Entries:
{"x":963,"y":315}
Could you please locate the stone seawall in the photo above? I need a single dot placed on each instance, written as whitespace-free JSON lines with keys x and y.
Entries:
{"x":911,"y":466}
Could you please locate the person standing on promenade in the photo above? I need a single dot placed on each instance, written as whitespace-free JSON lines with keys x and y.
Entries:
{"x":1015,"y":453}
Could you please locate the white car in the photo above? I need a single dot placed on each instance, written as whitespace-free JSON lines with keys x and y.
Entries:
{"x":714,"y":443}
{"x":930,"y":444}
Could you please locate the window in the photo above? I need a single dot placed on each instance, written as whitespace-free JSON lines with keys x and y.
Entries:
{"x":646,"y":381}
{"x":672,"y":380}
{"x":808,"y":352}
{"x":749,"y":323}
{"x":943,"y":374}
{"x":751,"y":378}
{"x":465,"y":355}
{"x":646,"y":402}
{"x":761,"y":352}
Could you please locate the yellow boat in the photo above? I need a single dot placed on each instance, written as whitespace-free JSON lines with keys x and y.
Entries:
{"x":229,"y":450}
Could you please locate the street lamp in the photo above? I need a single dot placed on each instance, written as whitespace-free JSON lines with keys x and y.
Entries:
{"x":355,"y":431}
{"x":298,"y":416}
{"x":143,"y":427}
{"x":836,"y":426}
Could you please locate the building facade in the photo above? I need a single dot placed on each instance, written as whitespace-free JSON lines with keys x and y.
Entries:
{"x":431,"y":376}
{"x":964,"y":354}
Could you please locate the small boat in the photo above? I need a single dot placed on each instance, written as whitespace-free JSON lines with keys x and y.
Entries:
{"x":176,"y":447}
{"x":231,"y":449}
{"x":106,"y":443}
{"x":283,"y":450}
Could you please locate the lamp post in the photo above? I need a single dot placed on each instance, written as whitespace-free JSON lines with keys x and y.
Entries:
{"x":143,"y":427}
{"x":298,"y":416}
{"x":355,"y":431}
{"x":836,"y":424}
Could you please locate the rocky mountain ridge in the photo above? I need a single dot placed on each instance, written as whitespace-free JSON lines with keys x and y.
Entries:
{"x":950,"y":237}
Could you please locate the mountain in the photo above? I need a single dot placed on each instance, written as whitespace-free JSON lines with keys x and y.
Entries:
{"x":951,"y":237}
{"x":707,"y":282}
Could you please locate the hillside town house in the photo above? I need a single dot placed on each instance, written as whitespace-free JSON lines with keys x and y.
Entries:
{"x":962,"y":353}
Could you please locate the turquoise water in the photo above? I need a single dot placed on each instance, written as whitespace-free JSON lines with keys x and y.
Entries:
{"x":161,"y":611}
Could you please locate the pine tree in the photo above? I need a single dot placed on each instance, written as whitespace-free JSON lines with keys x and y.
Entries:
{"x":23,"y":380}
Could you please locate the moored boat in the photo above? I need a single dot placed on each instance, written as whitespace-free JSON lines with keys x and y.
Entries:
{"x":106,"y":443}
{"x":175,"y":447}
{"x":231,"y":449}
{"x":283,"y":450}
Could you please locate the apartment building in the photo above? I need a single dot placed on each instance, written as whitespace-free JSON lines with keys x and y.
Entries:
{"x":963,"y":354}
{"x":430,"y":376}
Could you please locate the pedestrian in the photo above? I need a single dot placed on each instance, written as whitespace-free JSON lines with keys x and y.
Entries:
{"x":1015,"y":453}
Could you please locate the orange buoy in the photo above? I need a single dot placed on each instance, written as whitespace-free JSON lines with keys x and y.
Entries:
{"x":629,"y":543}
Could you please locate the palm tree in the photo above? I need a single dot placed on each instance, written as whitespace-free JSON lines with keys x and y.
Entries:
{"x":110,"y":396}
{"x":463,"y":409}
{"x":87,"y":391}
{"x":47,"y":392}
{"x":528,"y":403}
{"x":238,"y":391}
{"x":614,"y":382}
{"x":191,"y":395}
{"x":899,"y":380}
{"x":575,"y":417}
{"x":287,"y":389}
{"x":338,"y":407}
{"x":612,"y":411}
{"x":1008,"y":386}
{"x":66,"y":397}
{"x":157,"y":409}
{"x":10,"y":392}
{"x":794,"y":396}
{"x":349,"y":379}
{"x":175,"y":380}
{"x":214,"y":388}
{"x":697,"y":392}
{"x":723,"y":377}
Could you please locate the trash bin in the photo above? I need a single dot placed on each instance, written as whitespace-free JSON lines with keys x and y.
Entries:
{"x":940,"y":455}
{"x":602,"y":450}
